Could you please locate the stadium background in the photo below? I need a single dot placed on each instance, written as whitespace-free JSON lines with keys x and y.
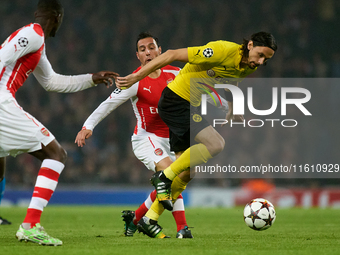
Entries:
{"x":101,"y":36}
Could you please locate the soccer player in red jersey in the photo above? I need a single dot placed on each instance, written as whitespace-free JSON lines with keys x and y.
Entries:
{"x":150,"y":140}
{"x":21,"y":54}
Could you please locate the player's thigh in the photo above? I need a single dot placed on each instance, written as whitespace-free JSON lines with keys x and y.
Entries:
{"x":20,"y":132}
{"x":52,"y":151}
{"x":151,"y":150}
{"x":211,"y":139}
{"x":164,"y":163}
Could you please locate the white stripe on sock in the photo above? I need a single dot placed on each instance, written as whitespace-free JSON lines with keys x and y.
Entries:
{"x":178,"y":205}
{"x":53,"y":164}
{"x":38,"y":203}
{"x":148,"y":202}
{"x":44,"y":182}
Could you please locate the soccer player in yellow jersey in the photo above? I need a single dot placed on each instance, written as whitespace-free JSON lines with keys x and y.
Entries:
{"x":218,"y":59}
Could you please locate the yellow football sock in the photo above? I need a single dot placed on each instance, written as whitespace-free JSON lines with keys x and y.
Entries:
{"x":193,"y":156}
{"x":155,"y":210}
{"x":177,"y":186}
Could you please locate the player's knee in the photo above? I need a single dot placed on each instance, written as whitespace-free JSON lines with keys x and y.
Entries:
{"x":53,"y":151}
{"x":62,"y":155}
{"x":59,"y":154}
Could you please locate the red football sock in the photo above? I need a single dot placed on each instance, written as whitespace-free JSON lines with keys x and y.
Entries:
{"x":45,"y":185}
{"x":141,"y":211}
{"x":179,"y":213}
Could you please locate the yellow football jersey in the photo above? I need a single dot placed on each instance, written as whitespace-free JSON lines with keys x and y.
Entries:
{"x":215,"y":63}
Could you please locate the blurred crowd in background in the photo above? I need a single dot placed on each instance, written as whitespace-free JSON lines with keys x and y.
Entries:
{"x":101,"y":35}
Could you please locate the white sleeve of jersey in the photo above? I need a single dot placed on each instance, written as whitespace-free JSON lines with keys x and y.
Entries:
{"x":116,"y":98}
{"x":23,"y":43}
{"x":51,"y":81}
{"x":224,"y":107}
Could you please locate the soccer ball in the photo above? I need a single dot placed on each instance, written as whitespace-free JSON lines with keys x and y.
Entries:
{"x":259,"y":214}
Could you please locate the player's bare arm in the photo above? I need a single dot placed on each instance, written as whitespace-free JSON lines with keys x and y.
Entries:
{"x":164,"y":59}
{"x":106,"y":77}
{"x":230,"y":115}
{"x":81,"y":136}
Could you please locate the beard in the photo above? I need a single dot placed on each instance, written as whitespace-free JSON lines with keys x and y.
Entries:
{"x":252,"y":65}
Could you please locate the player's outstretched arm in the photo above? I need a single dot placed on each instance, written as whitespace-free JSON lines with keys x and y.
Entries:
{"x":230,"y":116}
{"x":52,"y":81}
{"x":105,"y":77}
{"x":81,"y":136}
{"x":162,"y":60}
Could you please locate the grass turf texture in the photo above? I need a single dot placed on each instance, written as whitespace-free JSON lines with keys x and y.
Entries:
{"x":99,"y":230}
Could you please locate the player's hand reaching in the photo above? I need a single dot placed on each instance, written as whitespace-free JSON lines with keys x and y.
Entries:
{"x":105,"y":77}
{"x":82,"y":135}
{"x":230,"y":116}
{"x":238,"y":118}
{"x":235,"y":118}
{"x":127,"y":81}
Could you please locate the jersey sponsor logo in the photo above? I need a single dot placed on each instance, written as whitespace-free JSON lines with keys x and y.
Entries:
{"x":159,"y":152}
{"x":23,"y":41}
{"x":147,"y":89}
{"x":169,"y":80}
{"x":153,"y":110}
{"x":197,"y":118}
{"x":211,"y":73}
{"x":208,"y":52}
{"x":45,"y":132}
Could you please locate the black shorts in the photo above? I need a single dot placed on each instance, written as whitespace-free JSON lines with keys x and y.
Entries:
{"x":184,"y":121}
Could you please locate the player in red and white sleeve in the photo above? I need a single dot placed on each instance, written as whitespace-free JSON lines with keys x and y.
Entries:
{"x":150,"y":140}
{"x":21,"y":54}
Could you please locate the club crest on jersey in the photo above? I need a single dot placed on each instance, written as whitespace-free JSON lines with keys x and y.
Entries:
{"x":211,"y":73}
{"x":45,"y":132}
{"x":159,"y":152}
{"x":197,"y":118}
{"x":208,"y":52}
{"x":168,"y":81}
{"x":23,"y":42}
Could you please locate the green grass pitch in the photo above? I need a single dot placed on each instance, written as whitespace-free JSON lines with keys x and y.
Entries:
{"x":99,"y":230}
